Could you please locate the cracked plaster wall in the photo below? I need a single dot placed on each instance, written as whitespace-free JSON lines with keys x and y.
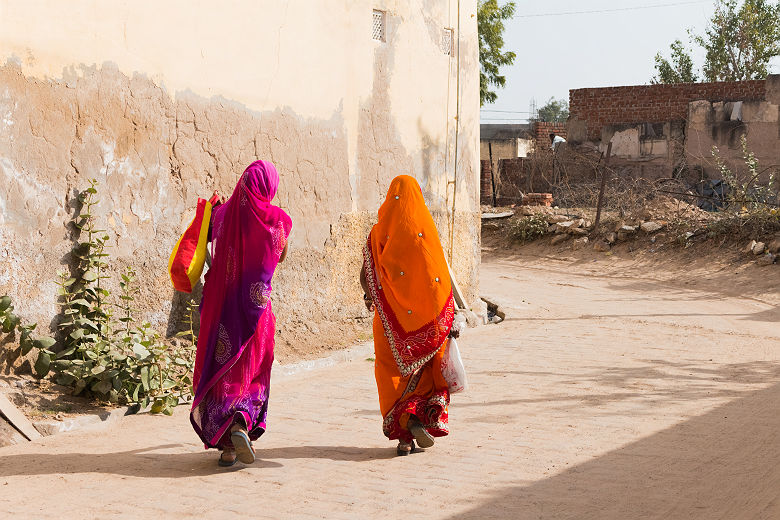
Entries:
{"x":338,"y":132}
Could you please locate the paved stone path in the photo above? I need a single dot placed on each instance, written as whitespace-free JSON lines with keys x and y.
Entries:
{"x":599,"y":397}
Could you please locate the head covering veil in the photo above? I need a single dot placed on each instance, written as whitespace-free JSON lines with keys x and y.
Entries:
{"x":408,"y":276}
{"x":249,"y":235}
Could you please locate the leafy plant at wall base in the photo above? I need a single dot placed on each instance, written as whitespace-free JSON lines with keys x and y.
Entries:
{"x":750,"y":203}
{"x":11,"y":322}
{"x":87,"y":316}
{"x":746,"y":193}
{"x":113,"y":358}
{"x":189,"y":320}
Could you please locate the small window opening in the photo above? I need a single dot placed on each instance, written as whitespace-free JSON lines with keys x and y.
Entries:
{"x":378,"y":26}
{"x":653,"y":131}
{"x":446,"y":42}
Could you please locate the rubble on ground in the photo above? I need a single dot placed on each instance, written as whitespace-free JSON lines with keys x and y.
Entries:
{"x":650,"y":226}
{"x":656,"y":222}
{"x":668,"y":208}
{"x":767,"y":254}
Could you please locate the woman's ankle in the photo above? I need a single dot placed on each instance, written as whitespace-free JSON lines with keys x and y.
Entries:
{"x":239,"y":424}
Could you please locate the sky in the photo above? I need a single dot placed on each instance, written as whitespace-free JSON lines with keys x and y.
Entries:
{"x":557,"y":52}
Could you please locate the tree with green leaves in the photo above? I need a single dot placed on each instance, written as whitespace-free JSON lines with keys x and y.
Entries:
{"x":739,"y":42}
{"x":554,"y":111}
{"x":678,"y":70}
{"x":490,"y":25}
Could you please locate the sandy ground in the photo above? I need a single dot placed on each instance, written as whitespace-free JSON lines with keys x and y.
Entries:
{"x":614,"y":390}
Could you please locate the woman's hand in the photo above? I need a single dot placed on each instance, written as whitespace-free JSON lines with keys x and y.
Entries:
{"x":454,"y":333}
{"x":364,"y":284}
{"x":217,"y":198}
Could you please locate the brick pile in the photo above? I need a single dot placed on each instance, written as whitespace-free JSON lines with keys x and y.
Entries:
{"x":653,"y":103}
{"x":538,"y":199}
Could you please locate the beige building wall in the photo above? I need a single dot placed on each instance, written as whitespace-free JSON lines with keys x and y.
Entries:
{"x":163,"y":102}
{"x":713,"y":125}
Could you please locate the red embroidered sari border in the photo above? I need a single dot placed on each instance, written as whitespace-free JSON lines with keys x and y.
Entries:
{"x":413,"y":349}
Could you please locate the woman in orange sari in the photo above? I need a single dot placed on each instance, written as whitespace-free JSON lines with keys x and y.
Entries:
{"x":406,"y":281}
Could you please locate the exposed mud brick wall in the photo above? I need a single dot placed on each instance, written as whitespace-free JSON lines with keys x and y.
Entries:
{"x":652,"y":103}
{"x":486,"y":183}
{"x":542,"y":131}
{"x":162,"y":116}
{"x":513,"y":180}
{"x":153,"y":155}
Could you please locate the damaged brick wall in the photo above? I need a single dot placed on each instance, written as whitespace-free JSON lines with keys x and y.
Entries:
{"x":542,"y":131}
{"x":597,"y":107}
{"x":516,"y":176}
{"x":486,"y":183}
{"x":153,"y":156}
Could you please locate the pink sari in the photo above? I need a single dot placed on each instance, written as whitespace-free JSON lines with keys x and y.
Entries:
{"x":236,"y":340}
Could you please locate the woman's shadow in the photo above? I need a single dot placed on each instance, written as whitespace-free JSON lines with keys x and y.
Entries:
{"x":173,"y":462}
{"x":143,"y":462}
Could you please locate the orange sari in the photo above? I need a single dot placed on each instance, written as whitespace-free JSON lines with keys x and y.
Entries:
{"x":409,"y":282}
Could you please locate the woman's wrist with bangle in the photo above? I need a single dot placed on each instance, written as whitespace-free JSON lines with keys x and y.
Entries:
{"x":366,"y":297}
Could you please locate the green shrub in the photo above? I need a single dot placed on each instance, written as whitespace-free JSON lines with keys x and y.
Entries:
{"x":111,"y":358}
{"x":527,"y":229}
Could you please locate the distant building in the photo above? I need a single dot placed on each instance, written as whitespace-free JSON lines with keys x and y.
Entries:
{"x":658,"y":131}
{"x":505,"y":141}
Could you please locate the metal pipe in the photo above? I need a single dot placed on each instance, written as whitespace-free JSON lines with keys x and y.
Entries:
{"x":454,"y":181}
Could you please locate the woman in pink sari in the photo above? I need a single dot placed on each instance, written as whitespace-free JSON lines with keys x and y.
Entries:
{"x":236,"y":340}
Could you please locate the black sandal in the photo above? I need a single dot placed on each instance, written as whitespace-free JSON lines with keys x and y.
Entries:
{"x":226,"y":463}
{"x":244,"y":451}
{"x":403,"y":452}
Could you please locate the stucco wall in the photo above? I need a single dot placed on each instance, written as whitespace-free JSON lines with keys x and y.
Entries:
{"x":712,"y":125}
{"x":163,"y":102}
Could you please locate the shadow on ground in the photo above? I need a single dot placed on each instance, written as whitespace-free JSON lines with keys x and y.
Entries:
{"x":145,"y":462}
{"x":654,"y":381}
{"x":723,"y":464}
{"x":173,"y":460}
{"x":338,"y":453}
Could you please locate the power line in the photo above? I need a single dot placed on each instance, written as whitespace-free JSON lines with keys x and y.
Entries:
{"x":617,"y":9}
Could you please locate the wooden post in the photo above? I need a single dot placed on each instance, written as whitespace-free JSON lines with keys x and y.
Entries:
{"x":492,"y":176}
{"x":457,"y":294}
{"x":604,"y":174}
{"x":17,"y":419}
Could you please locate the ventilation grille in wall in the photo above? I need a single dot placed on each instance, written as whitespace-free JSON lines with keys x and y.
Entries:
{"x":378,"y":26}
{"x":446,"y":42}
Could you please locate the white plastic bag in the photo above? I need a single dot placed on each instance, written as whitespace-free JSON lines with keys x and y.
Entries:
{"x":452,"y":368}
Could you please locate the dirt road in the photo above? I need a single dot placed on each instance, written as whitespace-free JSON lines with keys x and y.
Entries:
{"x":602,"y":396}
